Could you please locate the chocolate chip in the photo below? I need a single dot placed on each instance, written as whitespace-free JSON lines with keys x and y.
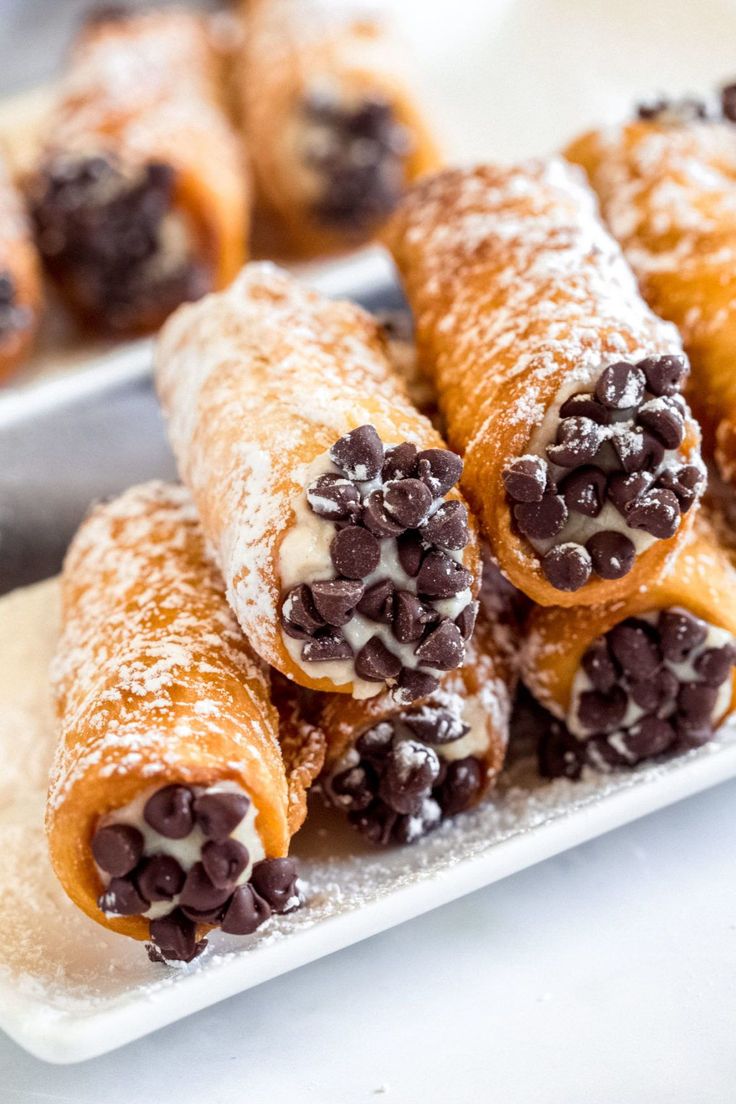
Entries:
{"x":633,"y":645}
{"x":657,"y":512}
{"x":169,"y":812}
{"x":414,"y":685}
{"x":680,"y":632}
{"x":160,"y":878}
{"x":525,"y":479}
{"x":375,"y":663}
{"x":665,"y":374}
{"x":541,"y":520}
{"x":400,"y":462}
{"x":275,"y":881}
{"x":205,"y":916}
{"x":355,"y":787}
{"x":624,"y":489}
{"x":410,"y":552}
{"x":333,"y":496}
{"x":355,"y":552}
{"x":122,"y":898}
{"x":378,"y":602}
{"x":440,"y":469}
{"x":411,"y":617}
{"x":117,"y":848}
{"x":377,"y":518}
{"x":436,"y":726}
{"x":199,"y":892}
{"x":443,"y":649}
{"x":174,"y":936}
{"x":649,"y":737}
{"x":585,"y":405}
{"x":376,"y":822}
{"x":448,"y":526}
{"x":567,"y":566}
{"x":462,"y":785}
{"x":620,"y":386}
{"x":578,"y":440}
{"x":695,"y":704}
{"x":336,"y":599}
{"x":224,"y":860}
{"x":411,"y":769}
{"x":559,"y":754}
{"x":246,"y":912}
{"x":407,"y":501}
{"x":684,"y":482}
{"x":662,"y":418}
{"x":600,"y":753}
{"x":326,"y":648}
{"x":602,"y":712}
{"x":375,"y":742}
{"x":408,"y":829}
{"x":611,"y":553}
{"x":584,"y":491}
{"x":728,"y":102}
{"x":219,"y":814}
{"x":299,"y":617}
{"x":714,"y":664}
{"x":465,"y":620}
{"x":653,"y":692}
{"x":442,"y":577}
{"x":599,"y":666}
{"x":359,"y":454}
{"x":673,"y":112}
{"x":637,"y":450}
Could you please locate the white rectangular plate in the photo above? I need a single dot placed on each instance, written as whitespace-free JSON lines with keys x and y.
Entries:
{"x":70,"y":990}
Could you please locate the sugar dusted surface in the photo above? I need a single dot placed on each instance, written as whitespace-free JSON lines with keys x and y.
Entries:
{"x":73,"y":967}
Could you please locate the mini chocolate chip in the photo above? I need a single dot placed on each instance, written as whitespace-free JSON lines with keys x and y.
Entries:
{"x":160,"y":878}
{"x":299,"y":617}
{"x":448,"y":526}
{"x":714,"y":664}
{"x":205,"y":916}
{"x":600,"y":666}
{"x":662,"y":418}
{"x":219,"y":814}
{"x":600,"y":753}
{"x":336,"y":599}
{"x":728,"y":102}
{"x":620,"y":386}
{"x":462,"y":785}
{"x":199,"y":892}
{"x":578,"y":440}
{"x":637,"y":450}
{"x":376,"y":822}
{"x":355,"y":552}
{"x":378,"y":602}
{"x":359,"y":454}
{"x":169,"y":812}
{"x":376,"y":517}
{"x":246,"y":912}
{"x":525,"y":479}
{"x":567,"y":566}
{"x":435,"y":726}
{"x":585,"y":405}
{"x":649,"y":737}
{"x":584,"y":490}
{"x":400,"y":462}
{"x":375,"y":741}
{"x":442,"y":577}
{"x":275,"y":881}
{"x":117,"y":848}
{"x":224,"y":860}
{"x":611,"y":553}
{"x":653,"y":692}
{"x":665,"y":374}
{"x":408,"y":829}
{"x":541,"y":520}
{"x":440,"y":469}
{"x":407,"y":501}
{"x":122,"y":898}
{"x":411,"y":770}
{"x":465,"y":620}
{"x":633,"y":645}
{"x":411,"y":552}
{"x":333,"y":496}
{"x":411,"y":617}
{"x":414,"y":685}
{"x":325,"y":648}
{"x":559,"y":754}
{"x":175,"y":937}
{"x":695,"y":704}
{"x":624,"y":489}
{"x":657,"y":512}
{"x":673,"y":112}
{"x":443,"y":649}
{"x":602,"y":712}
{"x":684,"y":482}
{"x":375,"y":663}
{"x":680,"y":632}
{"x":355,"y":787}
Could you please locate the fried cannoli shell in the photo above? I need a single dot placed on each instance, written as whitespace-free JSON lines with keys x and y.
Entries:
{"x":20,"y":278}
{"x":155,"y":684}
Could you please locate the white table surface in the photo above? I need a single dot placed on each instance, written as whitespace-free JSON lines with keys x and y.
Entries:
{"x":604,"y":976}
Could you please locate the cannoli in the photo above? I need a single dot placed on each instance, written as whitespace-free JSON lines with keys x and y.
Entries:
{"x":556,"y":381}
{"x":635,"y":679}
{"x":20,"y":280}
{"x":329,"y":501}
{"x":170,"y":809}
{"x":139,"y":196}
{"x":665,"y":182}
{"x":334,"y":132}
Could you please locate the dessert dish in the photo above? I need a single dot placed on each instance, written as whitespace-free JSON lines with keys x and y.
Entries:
{"x":556,"y":381}
{"x":333,"y":129}
{"x":350,"y":560}
{"x":665,"y":184}
{"x":20,"y":278}
{"x":638,"y":678}
{"x":139,"y":196}
{"x":171,"y":804}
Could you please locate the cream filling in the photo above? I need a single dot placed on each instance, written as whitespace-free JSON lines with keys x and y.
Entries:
{"x":304,"y":557}
{"x":186,"y":851}
{"x":684,"y":672}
